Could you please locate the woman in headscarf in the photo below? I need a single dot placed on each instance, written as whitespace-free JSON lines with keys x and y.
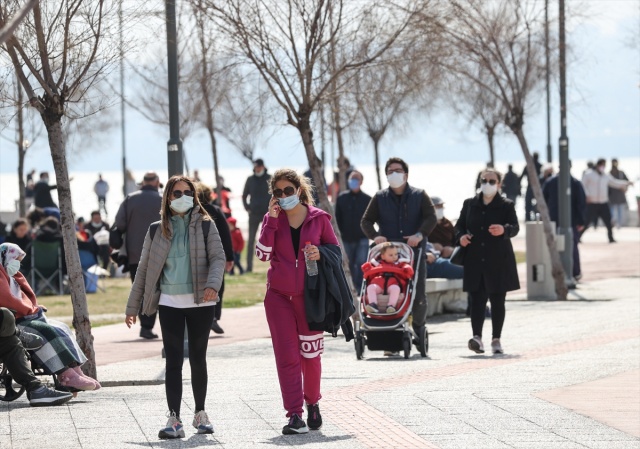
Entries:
{"x":60,"y":354}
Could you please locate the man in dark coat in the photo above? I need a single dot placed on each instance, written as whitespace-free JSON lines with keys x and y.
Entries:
{"x":349,"y":210}
{"x":136,"y":213}
{"x":42,"y":192}
{"x":578,"y":213}
{"x":255,"y":198}
{"x":529,"y":207}
{"x":403,"y":213}
{"x":511,"y":184}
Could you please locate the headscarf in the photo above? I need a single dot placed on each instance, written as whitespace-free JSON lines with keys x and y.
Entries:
{"x":9,"y":252}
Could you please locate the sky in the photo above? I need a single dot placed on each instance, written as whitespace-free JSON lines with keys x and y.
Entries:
{"x":603,"y":118}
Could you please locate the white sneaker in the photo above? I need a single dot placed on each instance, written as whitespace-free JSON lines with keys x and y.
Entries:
{"x":202,"y":423}
{"x":173,"y":429}
{"x":496,"y":347}
{"x":475,"y":344}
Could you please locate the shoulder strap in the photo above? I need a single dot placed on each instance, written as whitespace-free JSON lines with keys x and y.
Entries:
{"x":153,"y":228}
{"x":206,"y":225}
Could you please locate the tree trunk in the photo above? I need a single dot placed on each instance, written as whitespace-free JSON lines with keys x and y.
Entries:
{"x":376,"y":154}
{"x":491,"y":132}
{"x":22,"y":207}
{"x":557,"y":271}
{"x":81,"y":321}
{"x":306,"y":134}
{"x":214,"y":152}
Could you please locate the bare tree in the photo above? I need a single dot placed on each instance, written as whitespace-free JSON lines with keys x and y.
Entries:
{"x":404,"y":79}
{"x":505,"y":40}
{"x":286,"y":40}
{"x":60,"y":51}
{"x":10,"y":24}
{"x":478,"y":106}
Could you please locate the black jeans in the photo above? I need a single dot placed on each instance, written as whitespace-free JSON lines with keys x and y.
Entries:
{"x":478,"y":301}
{"x":599,"y":210}
{"x":13,"y":355}
{"x":254,"y":225}
{"x":146,"y":321}
{"x":172,"y":322}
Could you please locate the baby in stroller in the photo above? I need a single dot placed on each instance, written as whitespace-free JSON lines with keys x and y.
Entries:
{"x":390,"y":281}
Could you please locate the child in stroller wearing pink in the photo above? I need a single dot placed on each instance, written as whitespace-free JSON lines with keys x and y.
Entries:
{"x":401,"y":269}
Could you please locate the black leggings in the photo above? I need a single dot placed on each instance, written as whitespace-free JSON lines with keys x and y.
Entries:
{"x":478,"y":301}
{"x":172,"y":322}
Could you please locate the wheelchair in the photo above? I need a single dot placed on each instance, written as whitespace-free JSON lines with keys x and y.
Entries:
{"x":10,"y":390}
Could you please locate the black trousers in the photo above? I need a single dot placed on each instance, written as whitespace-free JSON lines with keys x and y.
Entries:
{"x":478,"y":301}
{"x":172,"y":322}
{"x":254,"y":225}
{"x":599,"y":210}
{"x":146,"y":321}
{"x":13,"y":355}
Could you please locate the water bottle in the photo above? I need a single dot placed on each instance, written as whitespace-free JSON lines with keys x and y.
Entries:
{"x":312,"y":265}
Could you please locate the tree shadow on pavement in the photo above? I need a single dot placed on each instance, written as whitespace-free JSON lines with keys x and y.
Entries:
{"x":191,"y":441}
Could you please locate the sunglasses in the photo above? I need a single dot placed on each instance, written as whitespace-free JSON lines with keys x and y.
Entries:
{"x":288,"y":191}
{"x":179,"y":193}
{"x":493,"y":182}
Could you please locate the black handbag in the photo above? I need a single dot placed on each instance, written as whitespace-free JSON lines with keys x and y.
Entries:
{"x":457,"y":256}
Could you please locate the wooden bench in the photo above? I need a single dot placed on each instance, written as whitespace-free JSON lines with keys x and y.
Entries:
{"x":445,"y":296}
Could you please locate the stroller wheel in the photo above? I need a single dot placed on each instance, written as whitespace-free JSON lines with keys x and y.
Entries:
{"x":423,"y":341}
{"x":359,"y":345}
{"x":406,"y":345}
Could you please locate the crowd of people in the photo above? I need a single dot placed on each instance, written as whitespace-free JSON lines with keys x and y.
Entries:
{"x":177,"y":241}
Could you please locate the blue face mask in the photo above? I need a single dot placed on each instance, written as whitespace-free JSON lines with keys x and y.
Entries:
{"x":354,"y":184}
{"x":289,"y":202}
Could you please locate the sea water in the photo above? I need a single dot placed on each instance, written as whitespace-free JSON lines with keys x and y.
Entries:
{"x":453,"y":182}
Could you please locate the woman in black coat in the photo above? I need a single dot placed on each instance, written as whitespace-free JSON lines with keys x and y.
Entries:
{"x":485,"y":227}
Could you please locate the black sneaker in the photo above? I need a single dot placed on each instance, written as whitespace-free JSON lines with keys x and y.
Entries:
{"x":314,"y":419}
{"x":43,"y":396}
{"x":296,"y":425}
{"x":215,"y":327}
{"x":30,"y":341}
{"x":147,"y":334}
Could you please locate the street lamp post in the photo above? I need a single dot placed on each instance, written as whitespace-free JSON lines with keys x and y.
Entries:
{"x":548,"y":81}
{"x":174,"y":145}
{"x":564,"y":176}
{"x":122,"y":121}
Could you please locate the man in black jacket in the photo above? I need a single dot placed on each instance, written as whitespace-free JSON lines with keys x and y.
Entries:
{"x":349,"y":210}
{"x":403,"y":213}
{"x":42,"y":192}
{"x":255,"y":198}
{"x":136,"y":213}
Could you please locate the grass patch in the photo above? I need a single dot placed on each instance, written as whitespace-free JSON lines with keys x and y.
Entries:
{"x":240,"y":291}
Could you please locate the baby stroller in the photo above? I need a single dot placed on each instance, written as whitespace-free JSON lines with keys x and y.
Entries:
{"x":381,"y":331}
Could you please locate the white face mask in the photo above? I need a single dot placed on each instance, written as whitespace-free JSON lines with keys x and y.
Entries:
{"x":395,"y":180}
{"x":259,"y":173}
{"x":489,"y":190}
{"x":440,"y":214}
{"x":13,"y":266}
{"x":182,"y":204}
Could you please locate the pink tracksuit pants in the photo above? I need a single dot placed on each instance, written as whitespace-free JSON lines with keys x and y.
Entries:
{"x":297,"y":350}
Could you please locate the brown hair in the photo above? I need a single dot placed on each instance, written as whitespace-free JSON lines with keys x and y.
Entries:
{"x":494,"y":171}
{"x":165,"y":210}
{"x":385,"y":246}
{"x":300,"y":182}
{"x":396,"y":160}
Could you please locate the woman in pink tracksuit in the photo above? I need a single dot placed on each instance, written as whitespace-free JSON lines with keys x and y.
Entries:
{"x":291,"y":222}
